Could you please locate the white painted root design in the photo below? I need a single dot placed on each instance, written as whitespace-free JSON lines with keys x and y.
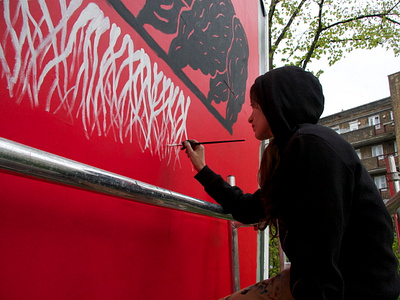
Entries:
{"x":81,"y":67}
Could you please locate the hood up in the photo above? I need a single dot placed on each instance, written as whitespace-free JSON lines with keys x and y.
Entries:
{"x":290,"y":96}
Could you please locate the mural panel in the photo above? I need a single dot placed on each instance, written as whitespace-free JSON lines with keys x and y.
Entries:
{"x":80,"y":65}
{"x":111,"y":83}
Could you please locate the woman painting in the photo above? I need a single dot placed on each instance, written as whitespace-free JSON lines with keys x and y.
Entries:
{"x":332,"y":222}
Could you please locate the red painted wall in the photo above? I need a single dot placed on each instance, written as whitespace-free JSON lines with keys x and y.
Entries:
{"x":78,"y":80}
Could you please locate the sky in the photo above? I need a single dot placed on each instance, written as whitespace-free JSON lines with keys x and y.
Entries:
{"x":359,"y":78}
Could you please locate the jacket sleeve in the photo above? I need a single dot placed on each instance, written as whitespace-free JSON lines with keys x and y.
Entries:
{"x":314,"y":189}
{"x":245,"y":208}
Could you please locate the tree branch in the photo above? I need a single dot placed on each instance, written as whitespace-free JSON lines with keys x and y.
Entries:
{"x":271,"y":51}
{"x":393,"y":21}
{"x":315,"y":41}
{"x":285,"y":29}
{"x":322,"y":29}
{"x":381,"y":15}
{"x":316,"y":37}
{"x":289,"y":23}
{"x":394,"y":6}
{"x":349,"y":39}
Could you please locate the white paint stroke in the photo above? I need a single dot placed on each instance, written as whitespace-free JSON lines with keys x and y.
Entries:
{"x":86,"y":70}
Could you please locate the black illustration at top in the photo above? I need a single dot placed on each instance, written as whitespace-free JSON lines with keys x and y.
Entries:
{"x":208,"y":37}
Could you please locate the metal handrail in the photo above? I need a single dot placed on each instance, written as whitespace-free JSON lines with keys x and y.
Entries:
{"x":24,"y":160}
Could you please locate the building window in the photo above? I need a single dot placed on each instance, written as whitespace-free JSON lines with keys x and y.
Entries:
{"x":380,"y":182}
{"x":391,"y":115}
{"x":358,"y":151}
{"x":377,"y":151}
{"x":374,"y":120}
{"x":353,"y":125}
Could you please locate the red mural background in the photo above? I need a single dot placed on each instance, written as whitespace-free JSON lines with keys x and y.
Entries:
{"x":79,"y":81}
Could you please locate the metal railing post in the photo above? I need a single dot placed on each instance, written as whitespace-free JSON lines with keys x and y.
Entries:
{"x":262,"y":238}
{"x":262,"y":254}
{"x":233,"y":237}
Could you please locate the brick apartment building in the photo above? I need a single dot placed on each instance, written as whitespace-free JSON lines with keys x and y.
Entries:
{"x":373,"y":130}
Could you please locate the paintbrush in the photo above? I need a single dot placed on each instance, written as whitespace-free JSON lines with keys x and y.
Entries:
{"x":204,"y":143}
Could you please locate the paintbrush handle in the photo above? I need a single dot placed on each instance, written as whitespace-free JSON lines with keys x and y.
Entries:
{"x":204,"y":143}
{"x":216,"y":142}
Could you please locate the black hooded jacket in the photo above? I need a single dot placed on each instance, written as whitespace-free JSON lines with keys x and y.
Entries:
{"x":335,"y":229}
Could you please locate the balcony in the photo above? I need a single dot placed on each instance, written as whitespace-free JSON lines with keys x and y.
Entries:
{"x":367,"y":135}
{"x":377,"y":164}
{"x":374,"y":164}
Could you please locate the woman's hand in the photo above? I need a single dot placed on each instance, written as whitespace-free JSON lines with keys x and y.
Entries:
{"x":196,"y":154}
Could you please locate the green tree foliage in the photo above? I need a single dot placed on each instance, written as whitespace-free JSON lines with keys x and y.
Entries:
{"x":302,"y":31}
{"x":274,"y":263}
{"x":396,"y":250}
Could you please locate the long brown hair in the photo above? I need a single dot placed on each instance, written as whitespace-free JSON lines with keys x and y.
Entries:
{"x":269,"y":164}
